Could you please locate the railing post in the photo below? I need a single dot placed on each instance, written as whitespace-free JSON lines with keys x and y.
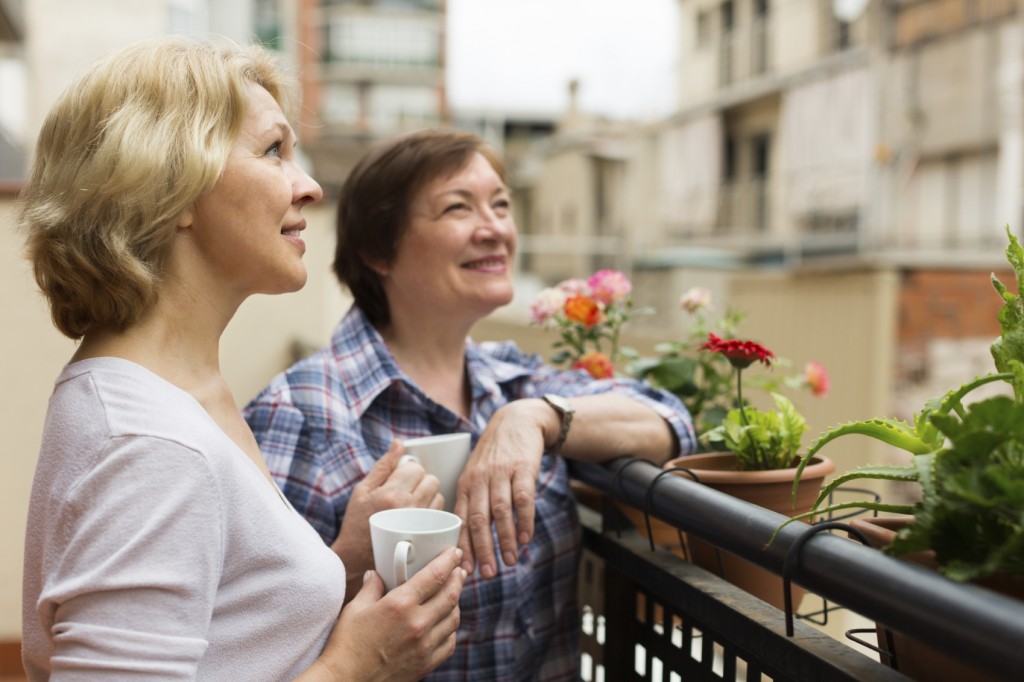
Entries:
{"x":620,"y":613}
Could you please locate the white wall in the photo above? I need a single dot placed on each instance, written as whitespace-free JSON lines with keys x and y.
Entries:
{"x":31,"y":355}
{"x":62,"y":38}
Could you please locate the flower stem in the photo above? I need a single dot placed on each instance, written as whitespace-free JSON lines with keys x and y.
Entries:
{"x":743,"y":414}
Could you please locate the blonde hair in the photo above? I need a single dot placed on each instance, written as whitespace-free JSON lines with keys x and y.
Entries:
{"x":126,"y":149}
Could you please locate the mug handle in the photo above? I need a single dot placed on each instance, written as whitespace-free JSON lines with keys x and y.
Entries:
{"x":403,"y":555}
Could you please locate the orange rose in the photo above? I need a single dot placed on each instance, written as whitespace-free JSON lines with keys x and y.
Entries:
{"x":583,"y":310}
{"x":598,"y":365}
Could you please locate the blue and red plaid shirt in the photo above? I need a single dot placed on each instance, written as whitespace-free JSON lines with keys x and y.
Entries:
{"x":323,"y":423}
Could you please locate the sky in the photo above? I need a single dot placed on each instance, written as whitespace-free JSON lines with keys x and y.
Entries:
{"x":521,"y":54}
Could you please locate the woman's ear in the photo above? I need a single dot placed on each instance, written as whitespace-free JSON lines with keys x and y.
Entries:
{"x":186,"y":218}
{"x":380,"y":267}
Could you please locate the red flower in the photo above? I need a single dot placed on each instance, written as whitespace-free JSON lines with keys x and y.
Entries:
{"x":583,"y":310}
{"x":598,"y":365}
{"x":740,"y":353}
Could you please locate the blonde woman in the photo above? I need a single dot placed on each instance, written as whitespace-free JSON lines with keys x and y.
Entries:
{"x":165,"y":190}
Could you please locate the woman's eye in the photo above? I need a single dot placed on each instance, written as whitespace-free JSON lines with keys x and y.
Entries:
{"x":274,"y":149}
{"x":451,"y":208}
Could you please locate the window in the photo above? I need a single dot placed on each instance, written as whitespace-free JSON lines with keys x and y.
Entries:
{"x":703,"y":28}
{"x":341,"y":103}
{"x":729,"y":158}
{"x":403,"y":106}
{"x":727,"y":16}
{"x":267,"y":23}
{"x":384,"y":40}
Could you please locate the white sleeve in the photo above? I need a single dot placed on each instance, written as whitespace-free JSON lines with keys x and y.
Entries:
{"x":134,"y":565}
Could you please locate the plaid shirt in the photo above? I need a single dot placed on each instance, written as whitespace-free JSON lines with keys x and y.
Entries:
{"x":323,"y":423}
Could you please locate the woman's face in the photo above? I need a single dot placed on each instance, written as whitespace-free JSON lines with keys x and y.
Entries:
{"x":455,"y":260}
{"x":247,"y":228}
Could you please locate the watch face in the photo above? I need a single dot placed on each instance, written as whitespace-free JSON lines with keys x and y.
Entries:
{"x":558,"y":402}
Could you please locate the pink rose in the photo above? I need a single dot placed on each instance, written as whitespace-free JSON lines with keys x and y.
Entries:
{"x":572,"y":287}
{"x":609,"y":286}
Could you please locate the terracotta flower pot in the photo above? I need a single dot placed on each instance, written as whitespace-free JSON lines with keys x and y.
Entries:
{"x":769,"y":489}
{"x":912,"y":657}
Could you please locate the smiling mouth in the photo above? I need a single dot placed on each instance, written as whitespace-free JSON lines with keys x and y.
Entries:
{"x":485,"y":263}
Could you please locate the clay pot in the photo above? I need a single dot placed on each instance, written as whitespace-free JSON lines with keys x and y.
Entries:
{"x":769,"y":489}
{"x":910,"y":656}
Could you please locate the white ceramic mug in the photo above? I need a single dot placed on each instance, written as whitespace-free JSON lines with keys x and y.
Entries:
{"x":443,"y":456}
{"x":405,"y":540}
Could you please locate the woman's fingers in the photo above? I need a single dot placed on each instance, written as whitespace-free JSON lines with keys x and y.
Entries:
{"x":478,"y":522}
{"x":403,"y":634}
{"x":504,"y":518}
{"x":524,"y":490}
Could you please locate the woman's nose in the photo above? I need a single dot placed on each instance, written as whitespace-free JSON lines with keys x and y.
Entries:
{"x":495,"y":226}
{"x":306,"y":189}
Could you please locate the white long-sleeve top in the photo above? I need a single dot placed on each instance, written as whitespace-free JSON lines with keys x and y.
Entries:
{"x":156,"y":549}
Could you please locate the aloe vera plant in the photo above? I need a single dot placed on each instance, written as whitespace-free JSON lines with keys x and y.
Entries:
{"x":968,"y":461}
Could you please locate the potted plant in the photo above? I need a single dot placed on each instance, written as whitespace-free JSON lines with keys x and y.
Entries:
{"x":748,"y":452}
{"x":754,"y":454}
{"x":967,"y":463}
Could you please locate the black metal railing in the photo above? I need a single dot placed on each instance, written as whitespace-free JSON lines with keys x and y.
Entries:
{"x":973,"y":624}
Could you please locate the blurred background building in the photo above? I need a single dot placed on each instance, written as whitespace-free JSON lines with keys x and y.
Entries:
{"x":371,"y":70}
{"x":821,"y":150}
{"x":841,"y":170}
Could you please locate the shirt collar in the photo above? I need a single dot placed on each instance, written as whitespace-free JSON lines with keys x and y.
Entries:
{"x":488,"y":372}
{"x":366,"y":364}
{"x":368,"y":368}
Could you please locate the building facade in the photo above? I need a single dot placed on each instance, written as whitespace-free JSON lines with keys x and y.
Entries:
{"x":811,"y":136}
{"x":372,"y":69}
{"x":840,"y":170}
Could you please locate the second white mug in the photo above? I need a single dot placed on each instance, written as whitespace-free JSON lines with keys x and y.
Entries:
{"x":443,"y":456}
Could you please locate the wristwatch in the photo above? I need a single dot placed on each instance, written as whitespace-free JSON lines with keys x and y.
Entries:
{"x":565,"y":411}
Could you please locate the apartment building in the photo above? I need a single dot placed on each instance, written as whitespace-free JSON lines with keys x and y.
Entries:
{"x":813,"y":137}
{"x":372,"y":69}
{"x":805,"y":130}
{"x":841,"y":170}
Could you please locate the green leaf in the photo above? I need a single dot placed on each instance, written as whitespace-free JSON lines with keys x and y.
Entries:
{"x":672,"y":373}
{"x":561,"y":357}
{"x":879,"y":472}
{"x":794,"y":424}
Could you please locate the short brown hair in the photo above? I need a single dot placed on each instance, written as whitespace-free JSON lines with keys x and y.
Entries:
{"x":127,"y":148}
{"x":373,"y":207}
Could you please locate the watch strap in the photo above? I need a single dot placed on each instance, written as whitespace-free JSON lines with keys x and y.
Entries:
{"x":565,"y":414}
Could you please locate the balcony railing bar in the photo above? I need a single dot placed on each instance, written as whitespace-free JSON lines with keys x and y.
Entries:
{"x":717,"y":631}
{"x":976,"y":625}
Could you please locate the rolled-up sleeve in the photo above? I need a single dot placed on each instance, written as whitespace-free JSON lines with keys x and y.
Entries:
{"x":543,"y":378}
